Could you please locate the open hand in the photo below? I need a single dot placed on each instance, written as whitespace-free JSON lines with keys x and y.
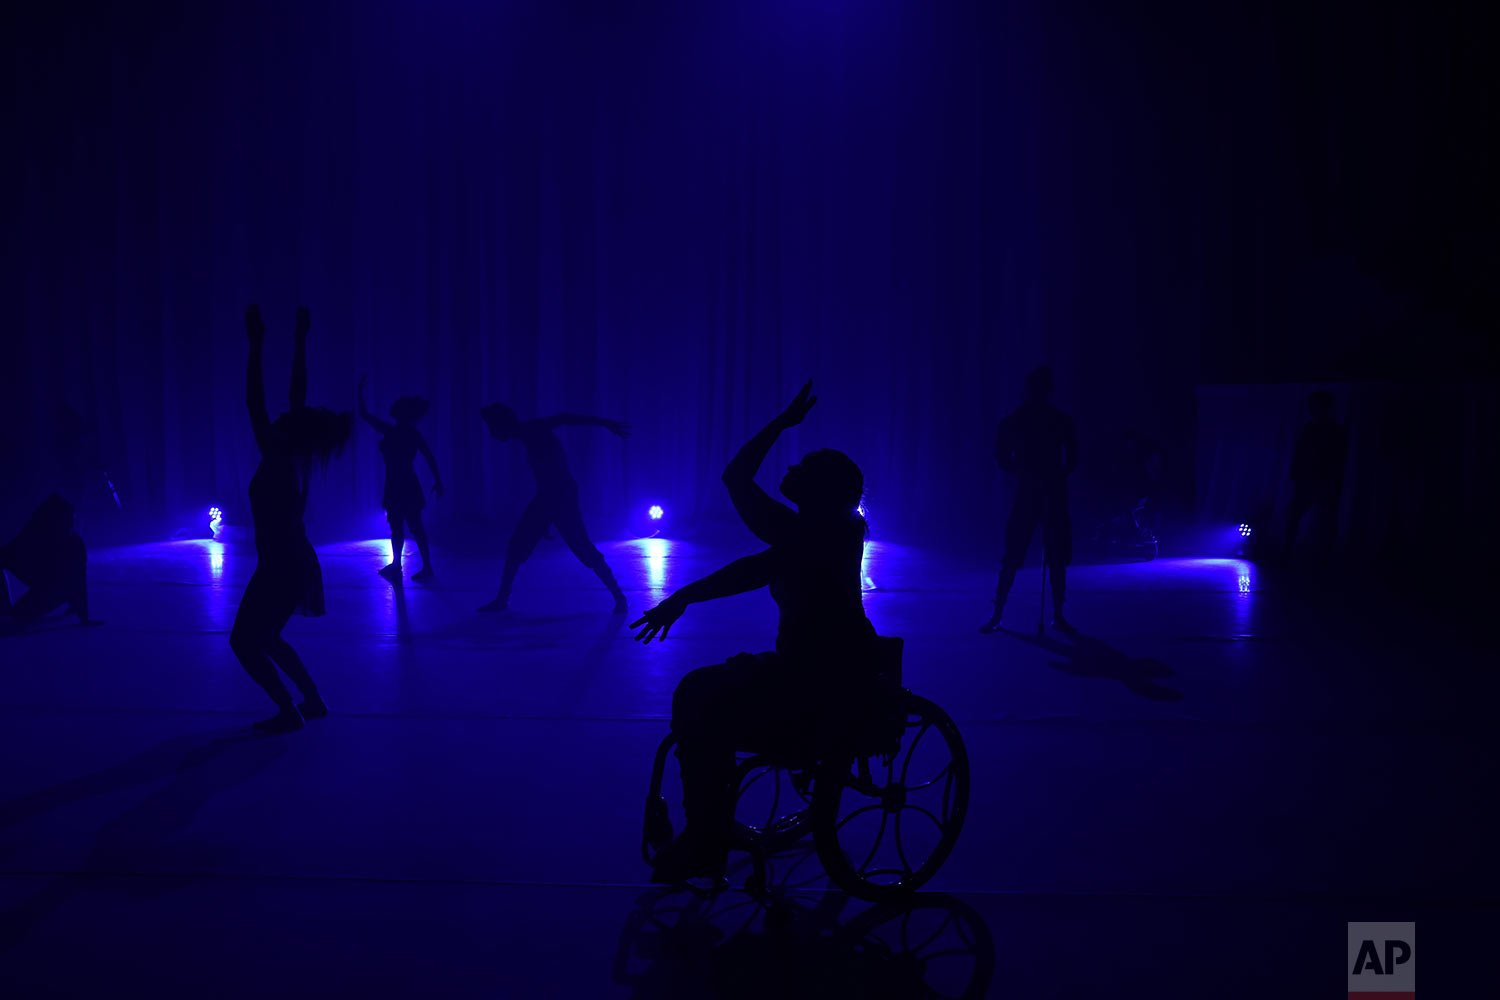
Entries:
{"x":659,"y":619}
{"x":796,"y":411}
{"x":255,"y":327}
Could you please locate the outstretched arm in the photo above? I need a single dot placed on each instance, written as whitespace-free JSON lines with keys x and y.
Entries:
{"x":739,"y":577}
{"x":255,"y":381}
{"x":437,"y":477}
{"x":767,"y":518}
{"x":299,"y":360}
{"x":618,"y":427}
{"x":380,"y":426}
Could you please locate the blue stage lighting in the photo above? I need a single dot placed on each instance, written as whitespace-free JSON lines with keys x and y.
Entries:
{"x":215,"y":521}
{"x":1246,"y":531}
{"x":655,"y":512}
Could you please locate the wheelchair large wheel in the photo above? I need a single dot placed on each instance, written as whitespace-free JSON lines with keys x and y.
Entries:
{"x":884,"y":825}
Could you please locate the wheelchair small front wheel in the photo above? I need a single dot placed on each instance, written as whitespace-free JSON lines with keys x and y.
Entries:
{"x":771,"y":807}
{"x":883,"y":826}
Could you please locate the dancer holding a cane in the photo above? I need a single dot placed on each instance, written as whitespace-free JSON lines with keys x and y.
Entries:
{"x":1037,"y":445}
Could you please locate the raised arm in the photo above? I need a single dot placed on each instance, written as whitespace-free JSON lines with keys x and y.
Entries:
{"x":255,"y":380}
{"x":768,"y":519}
{"x":437,"y":477}
{"x":299,"y":360}
{"x":739,"y":577}
{"x":618,"y":427}
{"x":380,"y":426}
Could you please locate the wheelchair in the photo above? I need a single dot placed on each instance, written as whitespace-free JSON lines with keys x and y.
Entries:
{"x":882,"y":792}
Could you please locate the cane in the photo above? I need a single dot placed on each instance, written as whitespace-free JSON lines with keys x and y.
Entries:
{"x":1041,"y":611}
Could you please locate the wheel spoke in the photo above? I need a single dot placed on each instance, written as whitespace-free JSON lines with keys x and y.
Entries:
{"x":910,"y":948}
{"x":947,"y":768}
{"x":900,"y":847}
{"x":941,"y":826}
{"x":912,"y":750}
{"x":879,"y":838}
{"x":860,"y":810}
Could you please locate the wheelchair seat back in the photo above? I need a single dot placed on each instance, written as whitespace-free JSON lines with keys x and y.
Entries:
{"x":864,"y":715}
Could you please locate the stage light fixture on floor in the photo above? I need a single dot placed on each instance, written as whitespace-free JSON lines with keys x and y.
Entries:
{"x":215,"y":521}
{"x":1243,"y":540}
{"x":650,"y":522}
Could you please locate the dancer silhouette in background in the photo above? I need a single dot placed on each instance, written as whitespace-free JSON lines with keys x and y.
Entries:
{"x":287,"y":576}
{"x":1317,"y":476}
{"x":556,"y":500}
{"x":812,"y":570}
{"x":402,"y":498}
{"x":1038,"y":446}
{"x":48,"y":557}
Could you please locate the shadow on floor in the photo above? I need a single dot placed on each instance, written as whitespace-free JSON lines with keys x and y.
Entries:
{"x":145,"y":836}
{"x":679,"y":943}
{"x":1083,"y":656}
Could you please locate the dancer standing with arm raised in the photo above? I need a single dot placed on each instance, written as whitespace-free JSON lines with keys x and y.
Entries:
{"x":402,"y":498}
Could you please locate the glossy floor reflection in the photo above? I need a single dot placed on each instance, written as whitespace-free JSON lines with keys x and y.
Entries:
{"x":1218,"y":775}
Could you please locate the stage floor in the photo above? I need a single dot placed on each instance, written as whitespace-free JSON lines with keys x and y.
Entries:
{"x":1193,"y":800}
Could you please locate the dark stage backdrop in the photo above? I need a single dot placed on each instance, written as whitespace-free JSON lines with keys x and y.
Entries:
{"x":675,"y":213}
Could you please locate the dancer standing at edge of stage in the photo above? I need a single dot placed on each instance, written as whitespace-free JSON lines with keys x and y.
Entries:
{"x":556,"y":500}
{"x":1037,"y":444}
{"x":287,"y":576}
{"x":822,"y":640}
{"x":402,"y":498}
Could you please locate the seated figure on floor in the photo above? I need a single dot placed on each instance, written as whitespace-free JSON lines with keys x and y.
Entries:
{"x":813,"y":571}
{"x":48,"y":557}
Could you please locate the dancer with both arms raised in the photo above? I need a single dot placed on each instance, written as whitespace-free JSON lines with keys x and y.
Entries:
{"x":287,"y":576}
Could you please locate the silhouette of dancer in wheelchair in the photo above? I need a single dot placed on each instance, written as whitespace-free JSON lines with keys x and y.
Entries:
{"x":812,"y":569}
